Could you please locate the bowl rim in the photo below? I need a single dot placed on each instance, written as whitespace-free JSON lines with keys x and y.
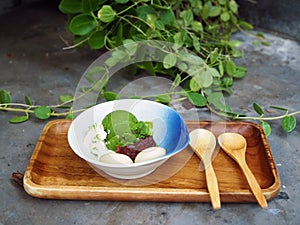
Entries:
{"x":76,"y":149}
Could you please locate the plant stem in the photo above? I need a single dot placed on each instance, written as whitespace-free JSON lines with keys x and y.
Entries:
{"x":27,"y":111}
{"x":66,"y":113}
{"x":137,"y":28}
{"x":136,"y":3}
{"x":75,"y":45}
{"x":16,"y":104}
{"x":249,"y":33}
{"x":268,"y":118}
{"x":16,"y":110}
{"x":223,"y":114}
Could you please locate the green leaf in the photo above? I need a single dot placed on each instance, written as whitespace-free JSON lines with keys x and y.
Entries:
{"x":237,"y":53}
{"x":65,"y":98}
{"x":169,"y":61}
{"x":27,"y":100}
{"x":99,"y":84}
{"x":227,"y":82}
{"x":256,"y":43}
{"x":221,"y":68}
{"x":151,"y":19}
{"x":197,"y":99}
{"x":197,"y":26}
{"x":289,"y":123}
{"x":226,"y":109}
{"x":64,"y":107}
{"x":213,"y":56}
{"x":217,"y":99}
{"x":214,"y":11}
{"x":117,"y":56}
{"x":260,"y":34}
{"x":177,"y":80}
{"x":19,"y":119}
{"x":204,"y":12}
{"x":245,"y":25}
{"x":224,"y":89}
{"x":120,"y":54}
{"x":230,"y":68}
{"x":240,"y":72}
{"x":234,"y":43}
{"x":225,"y":16}
{"x":111,"y":61}
{"x":266,"y":127}
{"x":101,"y":2}
{"x":164,"y":98}
{"x":233,"y":6}
{"x":203,"y":77}
{"x":178,"y":39}
{"x":235,"y":115}
{"x":214,"y":72}
{"x":70,"y":116}
{"x":258,"y":109}
{"x":187,"y":16}
{"x":148,"y":66}
{"x":119,"y":35}
{"x":82,"y":24}
{"x":110,"y":95}
{"x":159,"y":25}
{"x":182,"y":66}
{"x":144,"y":10}
{"x":194,"y":85}
{"x":95,"y":73}
{"x":106,"y":14}
{"x":131,"y":46}
{"x":279,"y":108}
{"x":196,"y":43}
{"x":42,"y":112}
{"x":97,"y":40}
{"x":184,"y":35}
{"x":90,"y":5}
{"x":121,"y":1}
{"x":70,"y":6}
{"x":167,"y":17}
{"x":4,"y":97}
{"x":265,"y":43}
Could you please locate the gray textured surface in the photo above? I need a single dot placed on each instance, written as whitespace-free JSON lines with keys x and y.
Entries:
{"x":10,"y":5}
{"x":278,"y":16}
{"x":32,"y":63}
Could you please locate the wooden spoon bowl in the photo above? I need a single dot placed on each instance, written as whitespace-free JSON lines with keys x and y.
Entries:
{"x":235,"y":146}
{"x":203,"y":143}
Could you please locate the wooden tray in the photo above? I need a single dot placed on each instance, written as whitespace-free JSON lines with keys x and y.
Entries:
{"x":55,"y":172}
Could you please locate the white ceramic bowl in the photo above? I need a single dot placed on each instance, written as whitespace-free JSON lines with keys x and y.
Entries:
{"x":169,"y":132}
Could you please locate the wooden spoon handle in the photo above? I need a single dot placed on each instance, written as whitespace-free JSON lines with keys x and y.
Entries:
{"x":255,"y":188}
{"x":213,"y":188}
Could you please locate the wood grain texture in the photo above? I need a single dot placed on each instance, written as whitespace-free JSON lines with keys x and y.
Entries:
{"x":55,"y":172}
{"x":235,"y":146}
{"x":203,"y":143}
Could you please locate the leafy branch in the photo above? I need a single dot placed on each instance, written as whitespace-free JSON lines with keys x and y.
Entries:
{"x":206,"y":72}
{"x":288,"y":119}
{"x":45,"y":112}
{"x":40,"y":111}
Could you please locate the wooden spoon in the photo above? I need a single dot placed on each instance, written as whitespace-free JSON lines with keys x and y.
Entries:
{"x":235,"y":146}
{"x":203,"y":142}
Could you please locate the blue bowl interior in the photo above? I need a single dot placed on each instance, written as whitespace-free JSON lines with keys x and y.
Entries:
{"x":175,"y":136}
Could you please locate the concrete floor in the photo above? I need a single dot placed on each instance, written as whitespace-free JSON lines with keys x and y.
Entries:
{"x":33,"y":63}
{"x":272,"y":14}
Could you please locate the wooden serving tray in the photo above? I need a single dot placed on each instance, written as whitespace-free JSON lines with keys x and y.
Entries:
{"x":55,"y":172}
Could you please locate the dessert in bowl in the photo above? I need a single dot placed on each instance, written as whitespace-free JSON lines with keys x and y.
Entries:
{"x":104,"y":135}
